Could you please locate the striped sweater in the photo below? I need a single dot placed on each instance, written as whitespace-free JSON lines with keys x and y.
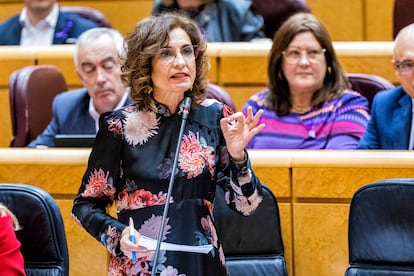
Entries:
{"x":338,"y":124}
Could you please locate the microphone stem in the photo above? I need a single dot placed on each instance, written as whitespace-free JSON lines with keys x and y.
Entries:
{"x":170,"y":185}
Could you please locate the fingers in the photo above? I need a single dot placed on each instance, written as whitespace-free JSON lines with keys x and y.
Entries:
{"x":127,"y":247}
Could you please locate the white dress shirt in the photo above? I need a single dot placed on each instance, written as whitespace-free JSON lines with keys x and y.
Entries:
{"x":42,"y":33}
{"x":411,"y":144}
{"x":95,"y":115}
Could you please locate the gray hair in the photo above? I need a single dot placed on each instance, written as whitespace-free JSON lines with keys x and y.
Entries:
{"x":89,"y":36}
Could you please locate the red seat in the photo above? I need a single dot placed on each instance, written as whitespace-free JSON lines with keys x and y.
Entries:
{"x":368,"y":85}
{"x":88,"y":13}
{"x":31,"y":92}
{"x":276,"y":12}
{"x":403,"y":15}
{"x":217,"y":92}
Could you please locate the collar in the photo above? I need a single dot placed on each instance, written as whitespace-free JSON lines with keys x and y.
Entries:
{"x":162,"y":110}
{"x":50,"y":19}
{"x":95,"y":114}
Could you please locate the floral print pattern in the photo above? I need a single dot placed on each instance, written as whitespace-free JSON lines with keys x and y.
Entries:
{"x":99,"y":185}
{"x":139,"y":199}
{"x":131,"y":164}
{"x":140,"y":126}
{"x":110,"y":239}
{"x":195,"y":155}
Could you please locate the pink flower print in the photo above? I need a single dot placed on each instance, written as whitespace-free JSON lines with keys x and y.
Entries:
{"x":115,"y":126}
{"x":116,"y":266}
{"x":140,"y":126}
{"x":110,"y":239}
{"x":209,"y":205}
{"x":194,"y":156}
{"x":142,"y":198}
{"x":122,"y":202}
{"x":98,"y":185}
{"x":208,"y":226}
{"x":170,"y":271}
{"x":139,"y":199}
{"x":151,"y":227}
{"x":222,"y":256}
{"x":227,"y":111}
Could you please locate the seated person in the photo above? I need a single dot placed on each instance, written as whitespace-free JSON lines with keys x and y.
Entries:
{"x":97,"y":60}
{"x":11,"y":258}
{"x":42,"y":23}
{"x":219,"y":20}
{"x":390,"y":125}
{"x":308,"y":103}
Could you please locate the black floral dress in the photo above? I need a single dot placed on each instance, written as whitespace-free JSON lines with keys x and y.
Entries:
{"x":130,"y":164}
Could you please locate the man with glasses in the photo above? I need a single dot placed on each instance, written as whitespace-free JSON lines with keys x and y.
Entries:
{"x":390,"y":125}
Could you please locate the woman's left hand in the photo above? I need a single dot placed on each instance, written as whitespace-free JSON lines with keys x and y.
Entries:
{"x":238,"y":130}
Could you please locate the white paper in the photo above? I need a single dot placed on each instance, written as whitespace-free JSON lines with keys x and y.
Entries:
{"x":151,"y":244}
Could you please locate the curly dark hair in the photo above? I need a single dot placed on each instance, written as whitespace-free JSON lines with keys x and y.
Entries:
{"x":149,"y":36}
{"x":335,"y":82}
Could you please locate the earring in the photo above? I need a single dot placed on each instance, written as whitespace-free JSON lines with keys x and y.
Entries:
{"x":329,"y":70}
{"x":279,"y":75}
{"x":149,"y":89}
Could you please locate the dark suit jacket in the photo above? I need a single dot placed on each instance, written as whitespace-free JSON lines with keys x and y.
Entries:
{"x":225,"y":20}
{"x":70,"y":116}
{"x":11,"y":30}
{"x":390,"y":123}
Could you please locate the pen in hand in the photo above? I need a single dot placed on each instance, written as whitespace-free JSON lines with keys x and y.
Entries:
{"x":132,"y":238}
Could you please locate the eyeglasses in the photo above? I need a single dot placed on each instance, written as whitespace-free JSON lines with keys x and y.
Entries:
{"x":168,"y":55}
{"x":294,"y":56}
{"x":405,"y":67}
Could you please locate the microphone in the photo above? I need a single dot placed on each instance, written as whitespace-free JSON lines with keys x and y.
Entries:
{"x":185,"y":112}
{"x":187,"y":106}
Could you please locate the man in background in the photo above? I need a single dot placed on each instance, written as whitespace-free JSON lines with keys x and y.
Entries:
{"x":390,"y":125}
{"x":41,"y":22}
{"x":97,"y":60}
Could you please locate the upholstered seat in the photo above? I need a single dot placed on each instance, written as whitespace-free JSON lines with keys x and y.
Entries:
{"x":31,"y":92}
{"x":276,"y":12}
{"x":89,"y":13}
{"x":44,"y":245}
{"x":402,"y":15}
{"x":368,"y":85}
{"x":252,"y":244}
{"x":217,"y":92}
{"x":381,"y":229}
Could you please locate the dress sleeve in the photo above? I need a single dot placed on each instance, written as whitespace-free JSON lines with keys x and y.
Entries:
{"x":243,"y":190}
{"x":99,"y":184}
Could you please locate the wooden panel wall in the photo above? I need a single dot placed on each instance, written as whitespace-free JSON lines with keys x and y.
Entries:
{"x":351,"y":20}
{"x":123,"y":14}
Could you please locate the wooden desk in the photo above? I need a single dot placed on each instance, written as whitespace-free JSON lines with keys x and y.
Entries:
{"x":323,"y":184}
{"x":313,"y":189}
{"x":59,"y":171}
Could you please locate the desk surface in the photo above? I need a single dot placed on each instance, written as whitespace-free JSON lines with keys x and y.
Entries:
{"x":313,"y":188}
